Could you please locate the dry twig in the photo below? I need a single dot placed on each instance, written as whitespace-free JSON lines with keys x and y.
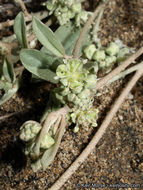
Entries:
{"x":41,"y":15}
{"x":8,"y":46}
{"x":10,"y":115}
{"x":23,"y":7}
{"x":57,"y":185}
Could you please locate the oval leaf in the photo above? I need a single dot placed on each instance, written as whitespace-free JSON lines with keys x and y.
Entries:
{"x":20,"y":30}
{"x":49,"y":154}
{"x":9,"y":93}
{"x":48,"y":38}
{"x":68,"y":37}
{"x":8,"y":71}
{"x":37,"y":63}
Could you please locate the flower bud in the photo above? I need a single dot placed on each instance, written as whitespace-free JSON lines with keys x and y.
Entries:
{"x":75,"y":65}
{"x":60,"y":98}
{"x":47,"y":142}
{"x":76,"y":86}
{"x":76,"y":129}
{"x":112,"y":49}
{"x":77,"y":101}
{"x":121,"y":56}
{"x":102,"y":64}
{"x":50,"y":6}
{"x":99,"y":55}
{"x":76,"y":8}
{"x":77,"y":90}
{"x":71,"y":97}
{"x":91,"y":81}
{"x":61,"y":71}
{"x":84,"y":16}
{"x":81,"y":17}
{"x":64,"y":10}
{"x":65,"y":92}
{"x":70,"y":14}
{"x":91,"y":117}
{"x":84,"y":94}
{"x":64,"y":81}
{"x":29,"y":130}
{"x":110,"y":60}
{"x":89,"y":51}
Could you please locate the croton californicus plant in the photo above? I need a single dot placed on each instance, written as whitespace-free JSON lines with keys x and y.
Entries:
{"x":71,"y":101}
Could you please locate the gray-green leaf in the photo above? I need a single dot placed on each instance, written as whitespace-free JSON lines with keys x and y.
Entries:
{"x":49,"y":155}
{"x":9,"y":93}
{"x":68,"y":37}
{"x":20,"y":30}
{"x":37,"y":63}
{"x":8,"y":71}
{"x":48,"y":38}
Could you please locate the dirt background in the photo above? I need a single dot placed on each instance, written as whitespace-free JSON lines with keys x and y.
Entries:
{"x":118,"y":157}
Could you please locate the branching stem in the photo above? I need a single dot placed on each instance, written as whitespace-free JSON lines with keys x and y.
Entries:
{"x":116,"y":71}
{"x":41,"y":15}
{"x":23,"y":7}
{"x":58,"y":184}
{"x":126,"y":72}
{"x":86,"y":27}
{"x":51,"y":119}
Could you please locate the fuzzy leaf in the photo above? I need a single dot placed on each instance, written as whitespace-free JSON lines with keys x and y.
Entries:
{"x":50,"y":154}
{"x":9,"y":93}
{"x":68,"y":37}
{"x":37,"y":63}
{"x":20,"y":30}
{"x":8,"y":71}
{"x":48,"y":38}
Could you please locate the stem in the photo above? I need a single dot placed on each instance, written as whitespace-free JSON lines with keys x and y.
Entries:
{"x":23,"y":7}
{"x":86,"y":27}
{"x":116,"y":71}
{"x":98,"y":20}
{"x":8,"y":46}
{"x":58,"y":184}
{"x":51,"y":119}
{"x":41,"y":15}
{"x":126,"y":72}
{"x":10,"y":115}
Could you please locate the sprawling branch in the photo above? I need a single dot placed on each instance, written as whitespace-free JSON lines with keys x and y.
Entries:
{"x":52,"y":119}
{"x":41,"y":15}
{"x":86,"y":27}
{"x":23,"y":7}
{"x":57,"y":185}
{"x":117,"y":70}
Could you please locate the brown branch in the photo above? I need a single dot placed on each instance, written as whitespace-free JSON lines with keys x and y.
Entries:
{"x":51,"y":119}
{"x":8,"y":46}
{"x":117,"y":70}
{"x":126,"y":72}
{"x":85,"y":28}
{"x":10,"y":115}
{"x":58,"y":184}
{"x":23,"y":7}
{"x":41,"y":15}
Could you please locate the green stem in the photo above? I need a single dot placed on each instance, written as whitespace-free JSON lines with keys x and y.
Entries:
{"x":126,"y":72}
{"x":98,"y":20}
{"x":86,"y":27}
